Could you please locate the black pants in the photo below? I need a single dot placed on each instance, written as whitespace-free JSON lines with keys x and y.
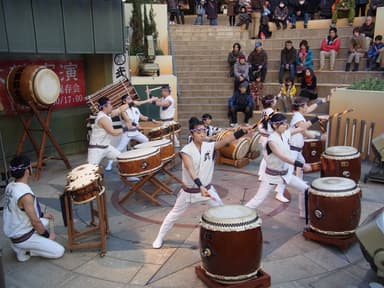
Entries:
{"x":360,"y":8}
{"x":233,"y":113}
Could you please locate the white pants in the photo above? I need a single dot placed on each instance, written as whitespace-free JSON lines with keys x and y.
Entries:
{"x":95,"y":155}
{"x":38,"y":245}
{"x":299,"y":157}
{"x":181,"y":205}
{"x":125,"y":139}
{"x":265,"y":187}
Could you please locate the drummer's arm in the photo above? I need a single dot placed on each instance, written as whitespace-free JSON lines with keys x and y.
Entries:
{"x":107,"y":126}
{"x":141,"y":102}
{"x":127,"y":120}
{"x":119,"y":111}
{"x":239,"y":133}
{"x":283,"y":157}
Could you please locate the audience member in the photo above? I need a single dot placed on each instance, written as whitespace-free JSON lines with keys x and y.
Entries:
{"x":300,"y":11}
{"x":183,"y":6}
{"x":258,"y":59}
{"x":231,"y":11}
{"x":174,"y":11}
{"x":356,"y":50}
{"x":241,"y":71}
{"x":375,"y":54}
{"x":304,"y":58}
{"x":326,"y":9}
{"x":309,"y":85}
{"x":280,"y":15}
{"x":373,"y":6}
{"x":232,"y":57}
{"x":200,"y":12}
{"x":256,"y":89}
{"x":287,"y":60}
{"x":257,"y":8}
{"x":211,"y":11}
{"x":344,"y":9}
{"x":241,"y":101}
{"x":360,"y":7}
{"x":287,"y":93}
{"x":243,"y":18}
{"x":368,"y":30}
{"x":330,"y":46}
{"x":266,"y":16}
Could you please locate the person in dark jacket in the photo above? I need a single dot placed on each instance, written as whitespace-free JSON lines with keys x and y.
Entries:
{"x":309,"y":85}
{"x":258,"y":59}
{"x":300,"y":10}
{"x":374,"y":4}
{"x":211,"y":11}
{"x":287,"y":60}
{"x":174,"y":12}
{"x":360,"y":7}
{"x":241,"y":101}
{"x":232,"y":57}
{"x":368,"y":30}
{"x":231,"y":12}
{"x":281,"y":15}
{"x":257,"y":8}
{"x":326,"y":9}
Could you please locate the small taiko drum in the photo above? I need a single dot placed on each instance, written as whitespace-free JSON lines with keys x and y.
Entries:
{"x":312,"y":151}
{"x":230,"y":243}
{"x":341,"y":161}
{"x":173,"y":126}
{"x":33,"y":83}
{"x":167,"y":151}
{"x":254,"y":145}
{"x":157,"y":133}
{"x":237,"y":149}
{"x":139,"y":162}
{"x":334,"y":206}
{"x":86,"y":188}
{"x":82,"y":170}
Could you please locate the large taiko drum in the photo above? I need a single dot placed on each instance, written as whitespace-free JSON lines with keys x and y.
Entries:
{"x":312,"y":151}
{"x":167,"y":151}
{"x":334,"y":206}
{"x":237,"y":149}
{"x":230,"y":243}
{"x":254,"y":138}
{"x":82,"y":170}
{"x":157,"y":133}
{"x":85,"y":188}
{"x":139,"y":162}
{"x":33,"y":83}
{"x":341,"y":161}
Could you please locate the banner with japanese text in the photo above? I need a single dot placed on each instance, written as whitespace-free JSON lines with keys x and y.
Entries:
{"x":69,"y":71}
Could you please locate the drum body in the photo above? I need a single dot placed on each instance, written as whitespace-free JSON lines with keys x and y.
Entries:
{"x":173,"y":126}
{"x":33,"y":83}
{"x":157,"y":133}
{"x":230,"y":243}
{"x":237,"y":149}
{"x":139,"y":162}
{"x":167,"y":151}
{"x":254,"y":138}
{"x":85,"y":188}
{"x":334,"y":206}
{"x":341,"y":161}
{"x":312,"y":151}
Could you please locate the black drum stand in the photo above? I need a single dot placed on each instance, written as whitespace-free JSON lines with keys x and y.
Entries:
{"x":341,"y":242}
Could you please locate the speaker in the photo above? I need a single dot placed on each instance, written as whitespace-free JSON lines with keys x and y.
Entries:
{"x":371,"y":238}
{"x":378,"y":144}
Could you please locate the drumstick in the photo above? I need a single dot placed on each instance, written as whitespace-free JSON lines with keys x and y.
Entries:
{"x":362,"y":135}
{"x":346,"y":128}
{"x":353,"y":132}
{"x":51,"y":226}
{"x":329,"y":125}
{"x":242,"y":200}
{"x":338,"y":130}
{"x":370,"y":135}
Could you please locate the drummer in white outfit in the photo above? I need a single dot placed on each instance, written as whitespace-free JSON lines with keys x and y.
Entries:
{"x":300,"y":107}
{"x":280,"y":163}
{"x":102,"y":132}
{"x":198,"y":162}
{"x":167,"y":108}
{"x":264,"y":127}
{"x":131,"y":117}
{"x":24,"y":222}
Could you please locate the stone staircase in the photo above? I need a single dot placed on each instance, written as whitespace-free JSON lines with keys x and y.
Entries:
{"x":202,"y":71}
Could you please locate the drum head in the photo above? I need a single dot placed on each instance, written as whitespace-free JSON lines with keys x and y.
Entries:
{"x":155,"y":143}
{"x":138,"y":153}
{"x":315,"y":133}
{"x":341,"y":151}
{"x":242,"y":149}
{"x":82,"y":170}
{"x":46,"y":86}
{"x":333,"y":184}
{"x":82,"y":182}
{"x":230,"y":218}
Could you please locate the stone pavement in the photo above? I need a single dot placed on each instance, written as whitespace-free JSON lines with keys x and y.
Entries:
{"x":288,"y":258}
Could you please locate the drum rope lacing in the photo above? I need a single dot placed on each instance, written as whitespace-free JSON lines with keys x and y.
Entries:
{"x":238,"y":224}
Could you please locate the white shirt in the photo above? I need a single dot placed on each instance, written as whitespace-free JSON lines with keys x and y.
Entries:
{"x":203,"y":163}
{"x":297,"y":139}
{"x":134,"y":115}
{"x":99,"y":136}
{"x":16,"y":221}
{"x":167,"y":112}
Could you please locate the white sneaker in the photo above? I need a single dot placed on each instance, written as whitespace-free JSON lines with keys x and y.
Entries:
{"x":281,"y":198}
{"x":133,"y":179}
{"x":157,"y":243}
{"x":232,"y":125}
{"x":21,"y":254}
{"x":109,"y":166}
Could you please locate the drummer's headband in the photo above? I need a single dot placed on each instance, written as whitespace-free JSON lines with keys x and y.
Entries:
{"x":198,"y":130}
{"x":19,"y":167}
{"x":270,"y":100}
{"x":279,"y":122}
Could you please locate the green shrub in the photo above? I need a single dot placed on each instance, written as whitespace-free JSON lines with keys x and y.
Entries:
{"x":373,"y":84}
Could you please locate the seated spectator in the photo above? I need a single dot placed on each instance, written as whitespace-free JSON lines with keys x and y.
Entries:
{"x":330,"y":46}
{"x":326,"y":9}
{"x":344,"y":9}
{"x":360,"y":7}
{"x":258,"y":59}
{"x":243,"y":18}
{"x":200,"y":12}
{"x":304,"y":58}
{"x":356,"y":50}
{"x":256,"y":89}
{"x":241,"y":101}
{"x":287,"y":93}
{"x":313,"y":7}
{"x":373,"y":7}
{"x":280,"y":15}
{"x":231,"y":11}
{"x":241,"y":71}
{"x":232,"y":57}
{"x":300,"y":11}
{"x":375,"y":54}
{"x":368,"y":30}
{"x":309,"y":85}
{"x":266,"y":16}
{"x":287,"y":60}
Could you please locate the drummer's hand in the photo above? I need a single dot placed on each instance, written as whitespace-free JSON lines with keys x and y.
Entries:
{"x":52,"y":235}
{"x":307,"y":168}
{"x":323,"y":137}
{"x":49,"y":216}
{"x":155,"y":121}
{"x":323,"y":117}
{"x":204,"y":192}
